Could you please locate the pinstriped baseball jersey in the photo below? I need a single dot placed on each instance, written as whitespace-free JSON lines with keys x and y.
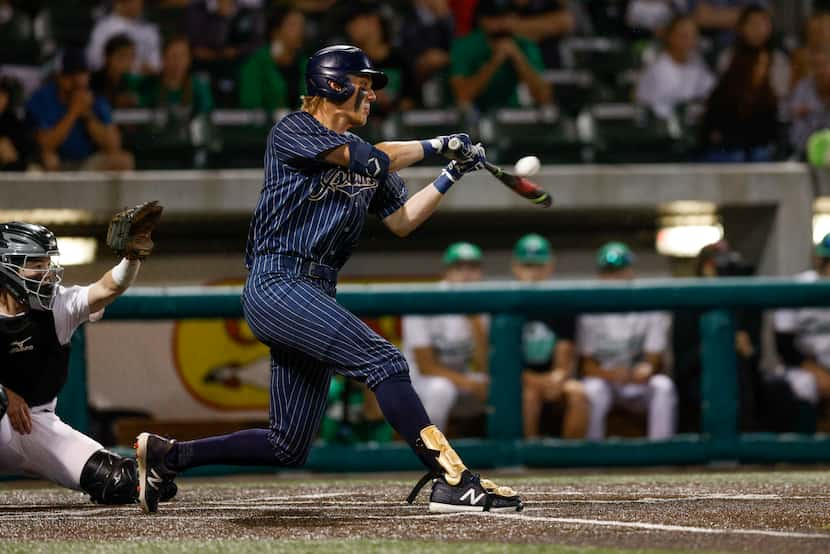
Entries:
{"x":311,"y":209}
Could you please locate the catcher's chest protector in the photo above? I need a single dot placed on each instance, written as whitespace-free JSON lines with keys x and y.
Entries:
{"x":33,"y":363}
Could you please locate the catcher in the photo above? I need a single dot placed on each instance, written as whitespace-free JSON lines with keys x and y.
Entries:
{"x":37,"y":319}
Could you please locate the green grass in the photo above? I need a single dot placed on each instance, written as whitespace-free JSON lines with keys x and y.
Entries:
{"x":357,"y":546}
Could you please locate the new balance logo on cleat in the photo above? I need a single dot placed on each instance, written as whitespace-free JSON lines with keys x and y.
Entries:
{"x":473,"y":497}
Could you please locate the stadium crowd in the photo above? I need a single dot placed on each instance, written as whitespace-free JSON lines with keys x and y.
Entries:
{"x":708,"y":80}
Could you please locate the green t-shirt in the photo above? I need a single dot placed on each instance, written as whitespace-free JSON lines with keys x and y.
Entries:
{"x":471,"y":52}
{"x":152,"y":94}
{"x":262,"y":85}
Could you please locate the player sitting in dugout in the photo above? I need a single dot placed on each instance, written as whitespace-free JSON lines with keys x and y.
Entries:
{"x":802,"y":338}
{"x":549,"y":388}
{"x":447,"y":353}
{"x":37,"y":319}
{"x":621,"y":357}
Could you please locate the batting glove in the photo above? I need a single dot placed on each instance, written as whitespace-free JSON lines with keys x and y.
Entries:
{"x":440,"y":145}
{"x":457,"y":169}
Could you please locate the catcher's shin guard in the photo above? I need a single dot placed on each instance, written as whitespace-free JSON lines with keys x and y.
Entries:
{"x":457,"y":489}
{"x":110,"y":479}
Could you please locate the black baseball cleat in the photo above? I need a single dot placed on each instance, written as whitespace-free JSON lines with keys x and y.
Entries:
{"x":155,"y":479}
{"x":471,"y":494}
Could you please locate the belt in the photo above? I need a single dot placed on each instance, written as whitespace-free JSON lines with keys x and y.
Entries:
{"x":294,"y":265}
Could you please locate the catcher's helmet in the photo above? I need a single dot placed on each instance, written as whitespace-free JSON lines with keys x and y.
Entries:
{"x":20,"y":243}
{"x":334,"y":64}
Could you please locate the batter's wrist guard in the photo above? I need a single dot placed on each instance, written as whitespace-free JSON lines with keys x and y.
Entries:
{"x":449,"y":176}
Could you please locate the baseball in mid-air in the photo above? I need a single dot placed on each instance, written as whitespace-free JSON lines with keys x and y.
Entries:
{"x":529,"y":165}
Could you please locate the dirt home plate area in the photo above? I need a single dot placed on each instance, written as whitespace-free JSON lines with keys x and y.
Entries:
{"x":597,"y":512}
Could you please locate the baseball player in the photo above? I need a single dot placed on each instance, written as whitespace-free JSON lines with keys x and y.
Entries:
{"x":320,"y":182}
{"x":37,"y":319}
{"x":622,"y":354}
{"x":442,"y":349}
{"x":802,"y":339}
{"x":548,"y":348}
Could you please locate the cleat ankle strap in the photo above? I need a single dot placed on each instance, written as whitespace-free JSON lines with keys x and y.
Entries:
{"x":419,"y":485}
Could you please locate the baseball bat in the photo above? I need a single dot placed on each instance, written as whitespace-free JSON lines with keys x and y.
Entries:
{"x":520,"y":185}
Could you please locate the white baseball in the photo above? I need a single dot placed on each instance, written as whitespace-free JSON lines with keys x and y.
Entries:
{"x":529,"y":165}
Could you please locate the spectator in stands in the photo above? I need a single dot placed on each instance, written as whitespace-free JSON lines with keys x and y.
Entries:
{"x":720,"y":17}
{"x":114,"y":82}
{"x":222,"y":30}
{"x":548,"y":348}
{"x":488,"y":64}
{"x":126,"y":19}
{"x":544,"y":22}
{"x":274,"y":75}
{"x":717,"y":260}
{"x":678,"y":75}
{"x":816,"y":40}
{"x":802,"y":338}
{"x":741,"y":119}
{"x":754,"y":30}
{"x":443,"y":350}
{"x":72,"y":126}
{"x":622,"y":355}
{"x":366,"y":28}
{"x":176,"y":88}
{"x":425,"y":42}
{"x":650,"y":17}
{"x":808,"y":107}
{"x":463,"y":14}
{"x":15,"y":142}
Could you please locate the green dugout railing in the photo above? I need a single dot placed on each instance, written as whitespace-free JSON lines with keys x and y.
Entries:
{"x":510,"y":304}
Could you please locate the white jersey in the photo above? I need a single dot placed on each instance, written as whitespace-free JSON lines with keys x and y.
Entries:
{"x":622,"y":339}
{"x":450,"y":337}
{"x":811,"y":326}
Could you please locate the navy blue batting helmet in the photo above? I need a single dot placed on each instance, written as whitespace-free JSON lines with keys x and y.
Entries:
{"x":334,"y":64}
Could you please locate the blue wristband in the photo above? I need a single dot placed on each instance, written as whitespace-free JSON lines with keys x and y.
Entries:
{"x":443,"y":182}
{"x":429,"y":147}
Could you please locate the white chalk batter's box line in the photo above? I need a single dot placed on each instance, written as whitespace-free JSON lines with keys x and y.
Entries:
{"x":308,"y":500}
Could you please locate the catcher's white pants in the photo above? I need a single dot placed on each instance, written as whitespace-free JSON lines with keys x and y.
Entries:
{"x":438,"y":396}
{"x":658,"y":398}
{"x":53,"y":450}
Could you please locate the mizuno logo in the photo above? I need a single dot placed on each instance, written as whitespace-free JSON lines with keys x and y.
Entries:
{"x":154,"y":480}
{"x":474,"y":498}
{"x":21,"y":346}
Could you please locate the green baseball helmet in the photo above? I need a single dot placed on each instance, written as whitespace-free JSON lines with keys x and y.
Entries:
{"x":533,"y":249}
{"x":823,"y":247}
{"x":613,"y":256}
{"x":462,"y":252}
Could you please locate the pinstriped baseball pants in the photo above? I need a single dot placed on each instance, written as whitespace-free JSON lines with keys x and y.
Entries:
{"x":311,"y":337}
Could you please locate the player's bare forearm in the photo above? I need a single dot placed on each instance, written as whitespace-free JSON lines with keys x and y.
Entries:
{"x":113,"y":284}
{"x":402,"y":154}
{"x":103,"y":292}
{"x":416,"y":210}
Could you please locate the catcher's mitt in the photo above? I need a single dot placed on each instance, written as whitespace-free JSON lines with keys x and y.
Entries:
{"x":129,"y":230}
